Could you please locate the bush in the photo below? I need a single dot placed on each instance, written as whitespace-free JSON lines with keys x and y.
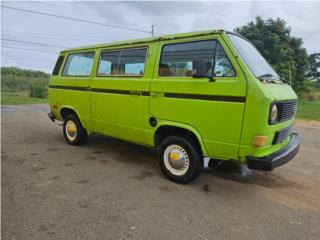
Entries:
{"x":38,"y":89}
{"x":309,"y":91}
{"x":15,"y":82}
{"x":19,"y":79}
{"x":311,"y":96}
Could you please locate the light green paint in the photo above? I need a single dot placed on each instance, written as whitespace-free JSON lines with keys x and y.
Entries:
{"x":224,"y":129}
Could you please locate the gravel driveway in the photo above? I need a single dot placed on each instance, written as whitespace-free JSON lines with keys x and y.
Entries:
{"x":109,"y":189}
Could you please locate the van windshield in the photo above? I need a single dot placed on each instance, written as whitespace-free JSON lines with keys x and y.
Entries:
{"x":254,"y":60}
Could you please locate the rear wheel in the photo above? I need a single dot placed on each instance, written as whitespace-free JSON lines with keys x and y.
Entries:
{"x":180,"y":159}
{"x":73,"y":131}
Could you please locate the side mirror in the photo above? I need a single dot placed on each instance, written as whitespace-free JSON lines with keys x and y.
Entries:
{"x":199,"y":70}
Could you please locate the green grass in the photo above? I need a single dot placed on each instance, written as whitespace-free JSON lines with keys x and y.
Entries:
{"x":309,"y":110}
{"x":19,"y":97}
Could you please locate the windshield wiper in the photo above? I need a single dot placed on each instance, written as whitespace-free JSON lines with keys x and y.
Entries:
{"x":268,"y":78}
{"x":265,"y":76}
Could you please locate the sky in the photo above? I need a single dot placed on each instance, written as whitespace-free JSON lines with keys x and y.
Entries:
{"x":18,"y":28}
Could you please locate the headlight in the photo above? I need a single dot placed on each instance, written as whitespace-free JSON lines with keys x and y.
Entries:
{"x":274,"y":113}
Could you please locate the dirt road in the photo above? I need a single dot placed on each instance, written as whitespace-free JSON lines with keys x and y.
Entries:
{"x":109,"y":189}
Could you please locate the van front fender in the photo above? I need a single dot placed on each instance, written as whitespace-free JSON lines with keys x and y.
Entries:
{"x":193,"y":130}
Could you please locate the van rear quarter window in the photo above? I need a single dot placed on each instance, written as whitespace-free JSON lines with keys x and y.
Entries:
{"x":123,"y":62}
{"x":79,"y":64}
{"x":57,"y":66}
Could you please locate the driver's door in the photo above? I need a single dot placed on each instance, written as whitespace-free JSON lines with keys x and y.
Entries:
{"x":216,"y":108}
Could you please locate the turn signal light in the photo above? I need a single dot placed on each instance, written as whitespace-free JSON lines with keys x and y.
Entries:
{"x":259,"y":141}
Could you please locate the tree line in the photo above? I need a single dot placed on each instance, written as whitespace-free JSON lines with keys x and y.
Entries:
{"x":286,"y":54}
{"x":15,"y":71}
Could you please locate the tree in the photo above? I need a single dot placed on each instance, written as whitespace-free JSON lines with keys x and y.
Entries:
{"x":313,"y":72}
{"x":15,"y":71}
{"x":284,"y":52}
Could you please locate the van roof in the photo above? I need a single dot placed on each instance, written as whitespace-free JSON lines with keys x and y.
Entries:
{"x":145,"y":40}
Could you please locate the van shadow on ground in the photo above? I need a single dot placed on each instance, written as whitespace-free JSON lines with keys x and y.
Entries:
{"x":240,"y":173}
{"x":131,"y":153}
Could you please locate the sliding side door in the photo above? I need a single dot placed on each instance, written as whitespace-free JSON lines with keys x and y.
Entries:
{"x":119,"y":92}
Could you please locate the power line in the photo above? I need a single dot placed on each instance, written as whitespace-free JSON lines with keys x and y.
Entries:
{"x":47,"y":35}
{"x":34,"y":43}
{"x":76,"y":19}
{"x":56,"y":36}
{"x":61,"y":38}
{"x":25,"y":49}
{"x":50,"y":34}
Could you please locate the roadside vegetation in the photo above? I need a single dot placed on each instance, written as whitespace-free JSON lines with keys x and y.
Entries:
{"x":20,"y":86}
{"x":20,"y":97}
{"x":308,"y":109}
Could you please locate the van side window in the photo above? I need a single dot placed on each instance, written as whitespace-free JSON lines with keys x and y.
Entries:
{"x":222,"y":66}
{"x":177,"y":60}
{"x":79,"y":64}
{"x":128,"y":62}
{"x":57,"y":66}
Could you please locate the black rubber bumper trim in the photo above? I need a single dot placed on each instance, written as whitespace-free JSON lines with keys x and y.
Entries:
{"x":284,"y":155}
{"x":52,"y":116}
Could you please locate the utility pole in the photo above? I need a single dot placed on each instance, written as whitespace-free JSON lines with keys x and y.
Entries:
{"x":152,"y":30}
{"x":290,"y":73}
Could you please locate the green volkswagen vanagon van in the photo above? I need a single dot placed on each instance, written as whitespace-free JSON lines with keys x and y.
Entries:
{"x":192,"y":96}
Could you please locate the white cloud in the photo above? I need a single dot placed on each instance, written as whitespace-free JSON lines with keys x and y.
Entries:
{"x":168,"y":17}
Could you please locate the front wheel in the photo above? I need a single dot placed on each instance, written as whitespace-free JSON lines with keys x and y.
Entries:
{"x":180,"y":159}
{"x":73,"y":131}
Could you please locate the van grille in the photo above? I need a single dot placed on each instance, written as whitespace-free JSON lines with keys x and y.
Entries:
{"x":281,"y":135}
{"x":287,"y":110}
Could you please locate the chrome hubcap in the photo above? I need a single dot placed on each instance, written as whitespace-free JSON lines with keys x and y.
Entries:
{"x":71,"y":130}
{"x":176,"y":159}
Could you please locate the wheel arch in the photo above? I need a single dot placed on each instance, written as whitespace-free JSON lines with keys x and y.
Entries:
{"x":65,"y":110}
{"x":167,"y":128}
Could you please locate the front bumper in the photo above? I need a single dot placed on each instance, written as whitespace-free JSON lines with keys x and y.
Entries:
{"x":284,"y":155}
{"x":51,"y":116}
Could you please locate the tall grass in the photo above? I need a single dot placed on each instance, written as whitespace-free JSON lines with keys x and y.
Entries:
{"x":34,"y":82}
{"x":38,"y":89}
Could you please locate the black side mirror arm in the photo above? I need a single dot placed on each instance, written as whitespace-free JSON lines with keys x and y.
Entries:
{"x":211,"y":79}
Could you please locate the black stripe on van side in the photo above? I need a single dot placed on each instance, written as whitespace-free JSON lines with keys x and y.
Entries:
{"x":102,"y":90}
{"x":206,"y":97}
{"x":145,"y":93}
{"x":167,"y":95}
{"x":116,"y":91}
{"x":70,"y":88}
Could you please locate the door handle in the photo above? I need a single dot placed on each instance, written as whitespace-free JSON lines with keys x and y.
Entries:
{"x":135,"y":93}
{"x":156,"y":94}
